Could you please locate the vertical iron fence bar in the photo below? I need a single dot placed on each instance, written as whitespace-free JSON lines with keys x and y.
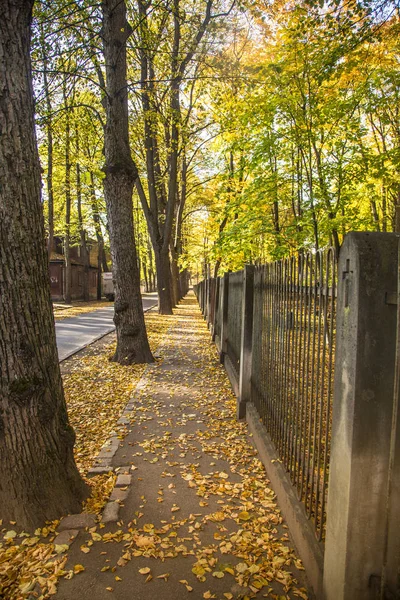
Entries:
{"x":295,"y":369}
{"x":267,"y":345}
{"x":289,"y":374}
{"x":216,"y":309}
{"x":246,"y":343}
{"x":319,"y":270}
{"x":300,"y":364}
{"x":281,"y":355}
{"x":287,"y":324}
{"x":331,"y":299}
{"x":323,"y":310}
{"x":275,"y":382}
{"x":264,"y":364}
{"x":273,"y":311}
{"x":302,"y":491}
{"x":224,"y":317}
{"x":311,"y":399}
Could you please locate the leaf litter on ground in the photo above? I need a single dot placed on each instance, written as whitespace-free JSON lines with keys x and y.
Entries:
{"x":249,"y":550}
{"x":30,"y":565}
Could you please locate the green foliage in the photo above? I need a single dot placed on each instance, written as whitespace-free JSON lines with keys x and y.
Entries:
{"x":288,"y":125}
{"x":312,"y":124}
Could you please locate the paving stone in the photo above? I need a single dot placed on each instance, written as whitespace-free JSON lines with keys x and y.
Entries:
{"x":113,"y":441}
{"x":66,"y":537}
{"x":107,"y":452}
{"x":111,"y":512}
{"x":103,"y":462}
{"x":77,"y":522}
{"x":99,"y":470}
{"x":123,"y":480}
{"x":118,"y":494}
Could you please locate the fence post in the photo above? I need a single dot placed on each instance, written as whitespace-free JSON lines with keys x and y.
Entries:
{"x":246,"y":345}
{"x":205,"y":298}
{"x":216,"y":305}
{"x":362,"y":417}
{"x":224,"y":318}
{"x":209,"y":302}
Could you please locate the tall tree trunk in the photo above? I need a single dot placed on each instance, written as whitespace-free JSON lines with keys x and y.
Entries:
{"x":82,"y":232}
{"x":151,"y":274}
{"x":384,"y":207}
{"x":120,"y":175}
{"x":163,"y":270}
{"x":222,"y":225}
{"x":101,"y":256}
{"x":50,"y":194}
{"x":176,"y":282}
{"x":375,"y":215}
{"x":39,"y":480}
{"x":67,"y":237}
{"x":97,"y":226}
{"x":49,"y":131}
{"x":146,"y":281}
{"x":396,"y":227}
{"x":82,"y":235}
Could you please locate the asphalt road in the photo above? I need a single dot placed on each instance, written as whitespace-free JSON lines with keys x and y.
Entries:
{"x":74,"y":333}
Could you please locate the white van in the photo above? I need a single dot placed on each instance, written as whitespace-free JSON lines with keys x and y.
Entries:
{"x":107,"y":286}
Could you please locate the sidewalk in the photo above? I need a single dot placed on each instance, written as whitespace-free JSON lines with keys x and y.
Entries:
{"x":198,"y":519}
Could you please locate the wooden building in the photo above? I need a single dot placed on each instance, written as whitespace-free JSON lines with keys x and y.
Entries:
{"x":57,"y":271}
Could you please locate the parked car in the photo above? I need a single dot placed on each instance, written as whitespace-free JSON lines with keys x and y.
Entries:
{"x":107,"y":286}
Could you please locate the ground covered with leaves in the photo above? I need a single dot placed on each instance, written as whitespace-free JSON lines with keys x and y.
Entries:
{"x":200,"y":519}
{"x":96,"y":391}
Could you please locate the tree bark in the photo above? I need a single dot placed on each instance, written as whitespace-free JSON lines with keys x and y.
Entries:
{"x":49,"y":131}
{"x":82,"y":234}
{"x":67,"y":237}
{"x":163,"y":270}
{"x":176,"y":281}
{"x":101,"y":255}
{"x":120,"y":175}
{"x":151,"y":274}
{"x":39,"y":480}
{"x":396,"y":227}
{"x":97,"y":226}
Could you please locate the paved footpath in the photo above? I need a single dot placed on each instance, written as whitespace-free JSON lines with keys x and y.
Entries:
{"x":197,"y":518}
{"x":74,"y":333}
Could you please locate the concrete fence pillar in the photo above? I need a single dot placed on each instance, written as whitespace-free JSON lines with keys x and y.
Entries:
{"x":216,"y":306}
{"x":210,"y":318}
{"x":246,"y":346}
{"x":362,"y":418}
{"x":224,"y":317}
{"x":206,"y":286}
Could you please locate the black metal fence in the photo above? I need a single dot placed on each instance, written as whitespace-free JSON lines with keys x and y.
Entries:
{"x":293,"y":346}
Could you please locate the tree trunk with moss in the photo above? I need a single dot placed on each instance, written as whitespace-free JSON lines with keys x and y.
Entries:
{"x":39,"y":480}
{"x":120,"y":175}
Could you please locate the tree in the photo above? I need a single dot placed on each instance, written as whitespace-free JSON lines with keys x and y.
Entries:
{"x":120,"y":175}
{"x":38,"y":476}
{"x":181,"y":35}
